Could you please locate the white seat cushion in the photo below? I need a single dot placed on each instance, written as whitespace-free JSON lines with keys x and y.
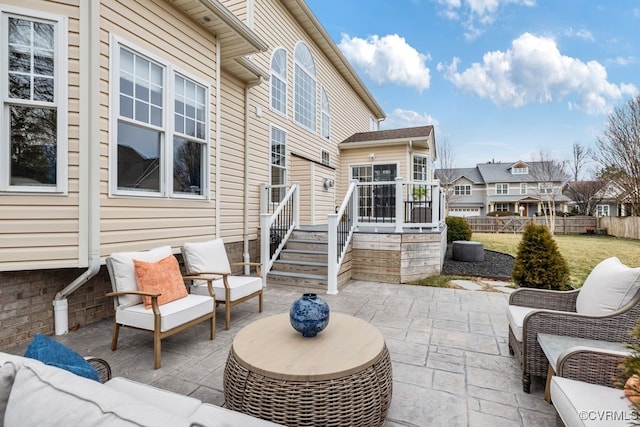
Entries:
{"x":124,"y":274}
{"x":515,"y":315}
{"x":214,"y":416}
{"x":46,"y":395}
{"x":174,"y":313}
{"x":206,"y":257}
{"x":583,"y":404}
{"x":240,"y":287}
{"x":609,"y":286}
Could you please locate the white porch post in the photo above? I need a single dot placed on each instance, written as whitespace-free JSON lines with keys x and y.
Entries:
{"x":332,"y":255}
{"x":399,"y":209}
{"x":296,"y":205}
{"x":355,"y":204}
{"x":265,"y":243}
{"x":435,"y":209}
{"x":264,"y":198}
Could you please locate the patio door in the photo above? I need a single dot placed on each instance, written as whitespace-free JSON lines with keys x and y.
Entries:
{"x":377,"y":191}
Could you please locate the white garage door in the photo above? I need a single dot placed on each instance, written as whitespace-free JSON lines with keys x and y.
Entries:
{"x":464,"y":212}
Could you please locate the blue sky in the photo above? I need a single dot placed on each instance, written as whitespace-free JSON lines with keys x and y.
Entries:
{"x":499,"y":79}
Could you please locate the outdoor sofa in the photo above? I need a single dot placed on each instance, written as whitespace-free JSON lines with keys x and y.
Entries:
{"x":35,"y":394}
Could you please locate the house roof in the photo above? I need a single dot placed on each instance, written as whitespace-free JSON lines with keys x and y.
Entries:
{"x":414,"y":133}
{"x":501,"y":172}
{"x":321,"y":38}
{"x":454,"y":174}
{"x":236,"y":40}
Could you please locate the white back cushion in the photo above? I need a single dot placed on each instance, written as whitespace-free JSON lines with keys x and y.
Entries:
{"x":206,"y":257}
{"x":124,"y":272}
{"x":610,"y":286}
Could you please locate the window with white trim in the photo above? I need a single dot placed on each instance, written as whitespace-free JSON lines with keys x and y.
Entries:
{"x":326,"y":116}
{"x":523,"y":188}
{"x":545,"y":187}
{"x":161,"y":136}
{"x":523,"y":170}
{"x":279,"y":81}
{"x":602,"y":210}
{"x":325,"y":157}
{"x":278,"y":164}
{"x":462,"y":190}
{"x":304,"y":88}
{"x":33,"y":143}
{"x":420,"y":168}
{"x":502,"y":189}
{"x":502,"y":207}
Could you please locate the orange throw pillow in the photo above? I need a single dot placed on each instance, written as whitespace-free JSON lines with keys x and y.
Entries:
{"x":163,"y":277}
{"x":632,"y":390}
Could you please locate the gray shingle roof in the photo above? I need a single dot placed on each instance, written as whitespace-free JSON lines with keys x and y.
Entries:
{"x":501,"y":172}
{"x":383,"y":135}
{"x":455,"y":174}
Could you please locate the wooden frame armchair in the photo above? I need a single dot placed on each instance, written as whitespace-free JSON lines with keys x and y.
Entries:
{"x":209,"y":270}
{"x":163,"y":320}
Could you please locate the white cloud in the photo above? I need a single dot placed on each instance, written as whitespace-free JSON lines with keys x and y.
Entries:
{"x":388,"y":59}
{"x":533,"y":70}
{"x":474,"y":14}
{"x":400,"y":118}
{"x":580,"y":34}
{"x":624,"y":61}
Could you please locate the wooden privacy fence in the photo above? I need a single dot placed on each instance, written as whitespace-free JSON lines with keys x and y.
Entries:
{"x":516,"y":224}
{"x":626,"y":226}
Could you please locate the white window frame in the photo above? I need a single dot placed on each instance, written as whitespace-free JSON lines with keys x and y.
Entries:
{"x":60,"y":101}
{"x":603,"y":210}
{"x":545,"y":187}
{"x":325,"y":157}
{"x":304,"y":68}
{"x":502,"y":207}
{"x":325,"y":115}
{"x":278,"y":74}
{"x":283,"y":191}
{"x":502,"y":189}
{"x":524,"y":188}
{"x":167,"y":130}
{"x":520,"y":171}
{"x":462,"y":190}
{"x":420,"y":176}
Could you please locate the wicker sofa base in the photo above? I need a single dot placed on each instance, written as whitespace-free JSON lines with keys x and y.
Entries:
{"x":359,"y":399}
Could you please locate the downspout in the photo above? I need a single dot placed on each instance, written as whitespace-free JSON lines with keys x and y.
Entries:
{"x":89,"y":159}
{"x":245,"y":220}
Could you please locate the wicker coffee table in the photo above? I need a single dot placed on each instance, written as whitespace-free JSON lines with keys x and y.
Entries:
{"x":341,"y":377}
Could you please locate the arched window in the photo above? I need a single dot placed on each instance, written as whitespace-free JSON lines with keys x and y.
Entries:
{"x":279,"y":81}
{"x":326,"y":116}
{"x":304,"y":88}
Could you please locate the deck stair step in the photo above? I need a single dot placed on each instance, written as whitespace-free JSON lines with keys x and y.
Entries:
{"x":303,"y":261}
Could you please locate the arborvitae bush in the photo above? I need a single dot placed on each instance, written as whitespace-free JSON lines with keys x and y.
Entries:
{"x":539,"y":263}
{"x":457,"y":229}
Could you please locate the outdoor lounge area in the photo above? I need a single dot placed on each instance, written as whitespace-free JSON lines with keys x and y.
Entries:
{"x":448,"y":348}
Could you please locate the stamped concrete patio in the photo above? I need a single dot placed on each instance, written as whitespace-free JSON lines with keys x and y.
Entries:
{"x":451,"y":363}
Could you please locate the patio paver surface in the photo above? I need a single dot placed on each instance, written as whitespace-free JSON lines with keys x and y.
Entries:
{"x":451,"y":363}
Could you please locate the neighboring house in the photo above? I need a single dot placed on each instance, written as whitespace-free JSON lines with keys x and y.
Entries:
{"x":597,"y":198}
{"x":131,"y":125}
{"x":520,"y":188}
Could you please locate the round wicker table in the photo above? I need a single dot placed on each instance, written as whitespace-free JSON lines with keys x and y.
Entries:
{"x":341,"y":377}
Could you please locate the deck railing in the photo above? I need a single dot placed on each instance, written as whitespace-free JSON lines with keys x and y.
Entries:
{"x":277,"y":222}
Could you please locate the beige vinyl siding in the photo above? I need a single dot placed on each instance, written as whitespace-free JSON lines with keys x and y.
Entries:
{"x":301,"y":171}
{"x":231,"y":159}
{"x":238,"y":8}
{"x":349,"y":114}
{"x":397,"y":154}
{"x":42,"y":230}
{"x":129,"y":223}
{"x":325,"y":200}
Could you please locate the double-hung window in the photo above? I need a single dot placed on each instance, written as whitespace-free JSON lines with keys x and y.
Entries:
{"x":279,"y":81}
{"x":462,"y":190}
{"x":161,"y":131}
{"x":326,"y":115}
{"x":545,"y":187}
{"x":278,"y":164}
{"x":420,"y":168}
{"x":502,"y":189}
{"x":33,"y":143}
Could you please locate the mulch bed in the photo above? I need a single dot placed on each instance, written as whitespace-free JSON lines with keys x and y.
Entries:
{"x":496,"y":265}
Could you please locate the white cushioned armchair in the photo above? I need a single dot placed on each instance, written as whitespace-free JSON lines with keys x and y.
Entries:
{"x":208,"y":268}
{"x":605,"y":308}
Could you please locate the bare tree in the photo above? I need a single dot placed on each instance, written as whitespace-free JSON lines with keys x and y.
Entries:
{"x":619,"y":150}
{"x":446,"y":172}
{"x":581,"y":156}
{"x":586,"y":195}
{"x":551,"y":176}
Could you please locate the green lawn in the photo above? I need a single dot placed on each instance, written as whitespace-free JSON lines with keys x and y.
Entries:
{"x":582,"y":252}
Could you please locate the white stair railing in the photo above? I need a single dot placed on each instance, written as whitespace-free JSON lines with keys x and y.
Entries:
{"x":276,"y":227}
{"x":341,"y":226}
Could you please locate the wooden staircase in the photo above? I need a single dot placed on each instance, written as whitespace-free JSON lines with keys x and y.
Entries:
{"x":302,"y":262}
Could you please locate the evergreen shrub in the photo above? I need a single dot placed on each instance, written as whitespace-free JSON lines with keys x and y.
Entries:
{"x":538,"y":263}
{"x":457,"y":229}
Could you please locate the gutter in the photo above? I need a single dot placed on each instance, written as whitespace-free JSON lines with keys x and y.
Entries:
{"x":89,"y":179}
{"x":245,"y":217}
